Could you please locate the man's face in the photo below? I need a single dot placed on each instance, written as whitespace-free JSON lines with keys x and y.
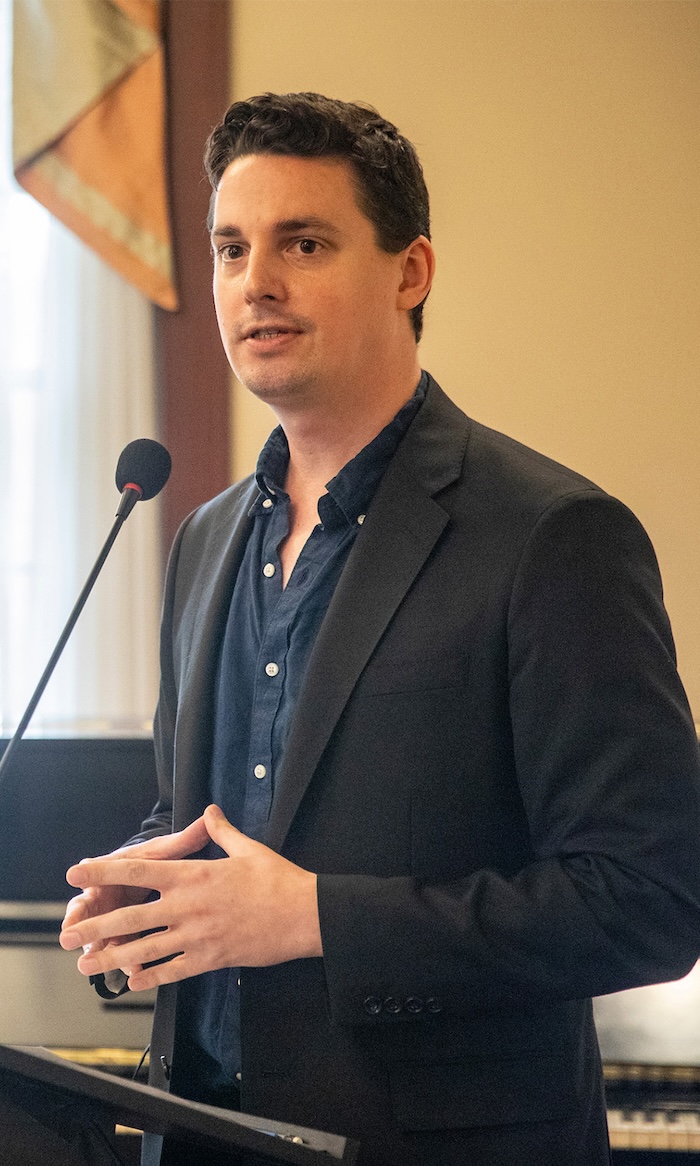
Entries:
{"x":306,"y":300}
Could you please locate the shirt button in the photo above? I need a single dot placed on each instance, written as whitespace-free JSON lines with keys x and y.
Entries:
{"x":260,"y":772}
{"x":269,"y":570}
{"x":267,"y":503}
{"x":272,"y":669}
{"x":239,"y":1076}
{"x":360,"y":519}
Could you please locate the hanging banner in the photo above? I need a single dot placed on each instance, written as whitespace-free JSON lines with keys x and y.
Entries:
{"x":89,"y":129}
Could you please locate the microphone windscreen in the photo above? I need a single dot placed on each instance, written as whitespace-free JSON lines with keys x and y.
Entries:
{"x":143,"y":463}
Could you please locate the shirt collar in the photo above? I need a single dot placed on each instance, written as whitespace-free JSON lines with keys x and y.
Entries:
{"x":350,"y":491}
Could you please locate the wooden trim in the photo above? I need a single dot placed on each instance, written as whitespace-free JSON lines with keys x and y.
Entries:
{"x":192,"y":371}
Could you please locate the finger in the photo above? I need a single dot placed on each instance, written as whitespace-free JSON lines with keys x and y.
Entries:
{"x":115,"y":927}
{"x":149,"y":874}
{"x":168,"y":846}
{"x":77,"y":909}
{"x":225,"y":835}
{"x":179,"y":968}
{"x":100,"y":944}
{"x":129,"y":972}
{"x":178,"y":845}
{"x":84,"y":906}
{"x":97,"y":945}
{"x":141,"y":950}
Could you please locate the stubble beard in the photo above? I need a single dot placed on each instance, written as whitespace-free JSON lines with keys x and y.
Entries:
{"x":291,"y":390}
{"x":267,"y":379}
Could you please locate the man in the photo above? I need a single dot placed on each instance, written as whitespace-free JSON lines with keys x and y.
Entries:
{"x":426,"y":676}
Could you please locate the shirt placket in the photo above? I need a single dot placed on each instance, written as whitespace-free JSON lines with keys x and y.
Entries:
{"x":270,"y":671}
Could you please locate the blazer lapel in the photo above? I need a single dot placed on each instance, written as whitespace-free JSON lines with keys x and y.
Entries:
{"x":402,"y":526}
{"x":200,"y":644}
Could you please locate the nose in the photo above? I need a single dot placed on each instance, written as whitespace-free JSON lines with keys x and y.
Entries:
{"x":263,"y":278}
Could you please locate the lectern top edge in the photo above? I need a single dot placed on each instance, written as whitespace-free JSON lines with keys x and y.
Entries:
{"x":151,"y":1109}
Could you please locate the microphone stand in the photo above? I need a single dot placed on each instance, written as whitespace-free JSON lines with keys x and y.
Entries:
{"x":129,"y":498}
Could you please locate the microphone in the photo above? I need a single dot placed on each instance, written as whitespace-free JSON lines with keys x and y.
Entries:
{"x":142,"y":471}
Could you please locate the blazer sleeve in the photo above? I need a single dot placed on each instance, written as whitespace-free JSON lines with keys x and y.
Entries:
{"x":606,"y":762}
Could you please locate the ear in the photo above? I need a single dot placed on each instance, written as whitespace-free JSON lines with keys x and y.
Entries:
{"x":418,"y":268}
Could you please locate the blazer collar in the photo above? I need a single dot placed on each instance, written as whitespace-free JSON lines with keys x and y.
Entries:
{"x":403,"y":523}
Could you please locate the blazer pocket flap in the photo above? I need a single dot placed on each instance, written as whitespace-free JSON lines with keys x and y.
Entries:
{"x":477,"y":1093}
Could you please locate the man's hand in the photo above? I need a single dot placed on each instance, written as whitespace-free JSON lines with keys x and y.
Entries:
{"x":102,"y":900}
{"x":250,"y":909}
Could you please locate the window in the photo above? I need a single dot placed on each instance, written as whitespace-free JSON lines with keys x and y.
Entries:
{"x":76,"y":384}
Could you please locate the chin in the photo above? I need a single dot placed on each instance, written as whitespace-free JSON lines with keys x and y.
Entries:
{"x":275,"y":388}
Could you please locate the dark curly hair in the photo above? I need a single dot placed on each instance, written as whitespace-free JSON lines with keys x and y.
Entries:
{"x":391,"y":189}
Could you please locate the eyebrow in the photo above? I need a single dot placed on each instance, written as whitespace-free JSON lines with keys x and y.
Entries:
{"x":282,"y":227}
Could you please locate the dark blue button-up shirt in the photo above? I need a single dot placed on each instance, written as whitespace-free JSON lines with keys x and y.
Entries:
{"x":269,"y":635}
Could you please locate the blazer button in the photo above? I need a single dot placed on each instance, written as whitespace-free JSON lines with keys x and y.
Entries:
{"x":433,"y":1004}
{"x":414,"y":1005}
{"x":392,"y":1005}
{"x":372,"y":1005}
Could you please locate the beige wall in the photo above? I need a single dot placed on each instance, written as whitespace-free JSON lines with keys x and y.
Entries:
{"x":561,"y":145}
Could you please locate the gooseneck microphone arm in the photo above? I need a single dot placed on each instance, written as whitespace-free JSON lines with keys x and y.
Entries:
{"x":142,"y":461}
{"x":62,"y":640}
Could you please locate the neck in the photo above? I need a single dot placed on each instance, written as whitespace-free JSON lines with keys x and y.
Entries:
{"x":321,"y":442}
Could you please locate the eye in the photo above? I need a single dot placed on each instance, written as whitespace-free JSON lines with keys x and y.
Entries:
{"x":230,"y":252}
{"x":308,"y":246}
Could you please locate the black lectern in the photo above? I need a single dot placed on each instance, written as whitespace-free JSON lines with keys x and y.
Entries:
{"x":52,"y":1111}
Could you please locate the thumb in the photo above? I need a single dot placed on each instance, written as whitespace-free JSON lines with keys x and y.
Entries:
{"x":224,"y":834}
{"x":169,"y":846}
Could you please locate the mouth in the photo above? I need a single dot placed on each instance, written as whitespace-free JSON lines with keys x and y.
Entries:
{"x":266,"y":333}
{"x":269,"y":332}
{"x":268,"y":341}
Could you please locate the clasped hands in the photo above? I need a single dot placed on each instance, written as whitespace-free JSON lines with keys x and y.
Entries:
{"x":250,"y":909}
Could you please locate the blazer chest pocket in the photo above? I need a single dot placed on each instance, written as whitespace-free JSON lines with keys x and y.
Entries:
{"x":482,"y":1093}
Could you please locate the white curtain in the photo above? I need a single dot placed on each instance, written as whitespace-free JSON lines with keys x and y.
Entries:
{"x":76,"y":384}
